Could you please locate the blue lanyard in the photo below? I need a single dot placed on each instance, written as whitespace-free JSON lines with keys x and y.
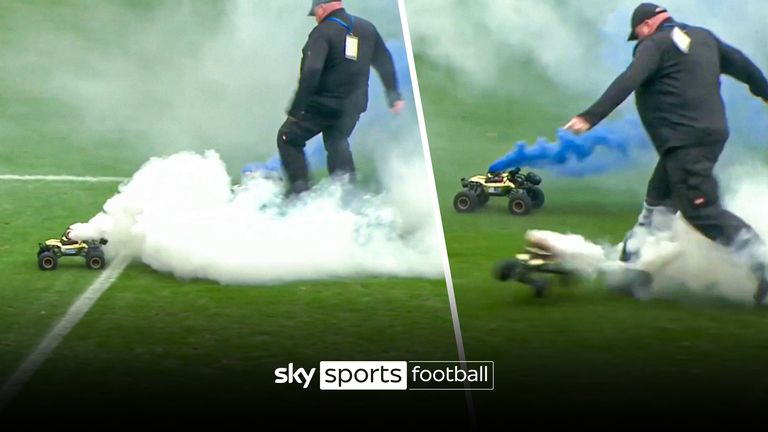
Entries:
{"x":674,"y":24}
{"x":343,"y":24}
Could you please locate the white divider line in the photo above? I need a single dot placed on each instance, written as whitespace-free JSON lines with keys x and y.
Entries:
{"x":54,"y":337}
{"x":15,"y":177}
{"x":436,"y":208}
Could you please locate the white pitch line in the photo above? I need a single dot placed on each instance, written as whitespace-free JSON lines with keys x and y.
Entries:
{"x":78,"y":309}
{"x":440,"y":232}
{"x":15,"y":177}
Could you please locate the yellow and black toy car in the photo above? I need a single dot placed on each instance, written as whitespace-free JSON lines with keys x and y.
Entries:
{"x":522,"y":190}
{"x":526,"y":265}
{"x":540,"y":266}
{"x":49,"y":252}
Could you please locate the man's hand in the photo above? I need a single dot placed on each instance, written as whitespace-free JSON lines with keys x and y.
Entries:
{"x":577,"y":125}
{"x":397,"y":107}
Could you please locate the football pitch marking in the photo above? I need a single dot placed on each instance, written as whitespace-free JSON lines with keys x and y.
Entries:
{"x":15,"y":177}
{"x":440,"y":232}
{"x":54,"y":337}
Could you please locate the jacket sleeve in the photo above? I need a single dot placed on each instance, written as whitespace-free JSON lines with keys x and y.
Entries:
{"x":312,"y":62}
{"x":644,"y":64}
{"x":734,"y":63}
{"x":384,"y":65}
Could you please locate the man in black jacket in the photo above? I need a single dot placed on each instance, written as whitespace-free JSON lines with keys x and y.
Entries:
{"x":675,"y":74}
{"x":333,"y":90}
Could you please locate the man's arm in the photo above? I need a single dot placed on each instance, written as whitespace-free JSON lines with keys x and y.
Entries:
{"x":315,"y":52}
{"x":734,"y":63}
{"x":644,"y":64}
{"x":384,"y":65}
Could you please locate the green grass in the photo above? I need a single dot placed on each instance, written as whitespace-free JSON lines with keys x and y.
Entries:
{"x":581,"y":350}
{"x":160,"y":346}
{"x":151,"y":338}
{"x":32,"y":301}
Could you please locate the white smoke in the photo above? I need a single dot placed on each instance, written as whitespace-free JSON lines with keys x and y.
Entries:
{"x":680,"y":259}
{"x":180,"y":215}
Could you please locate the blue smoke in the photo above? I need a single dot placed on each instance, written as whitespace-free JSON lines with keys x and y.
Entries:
{"x":377,"y":118}
{"x":609,"y":146}
{"x":619,"y":144}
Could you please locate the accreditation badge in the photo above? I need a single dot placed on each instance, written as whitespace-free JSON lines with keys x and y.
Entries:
{"x":350,"y":49}
{"x":681,"y":40}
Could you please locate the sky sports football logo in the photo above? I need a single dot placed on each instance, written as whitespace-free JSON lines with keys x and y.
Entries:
{"x":391,"y":375}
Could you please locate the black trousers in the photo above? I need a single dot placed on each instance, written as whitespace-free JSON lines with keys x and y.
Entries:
{"x":684,"y":179}
{"x":294,"y":134}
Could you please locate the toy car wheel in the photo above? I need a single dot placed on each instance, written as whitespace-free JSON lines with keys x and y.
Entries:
{"x":533,"y":178}
{"x":482,"y":199}
{"x":465,"y":202}
{"x":506,"y":270}
{"x":519,"y":203}
{"x":537,"y":196}
{"x":539,"y":288}
{"x":47,"y":261}
{"x":95,"y":260}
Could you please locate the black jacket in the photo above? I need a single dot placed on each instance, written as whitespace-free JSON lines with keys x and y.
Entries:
{"x":678,"y":94}
{"x":332,"y":84}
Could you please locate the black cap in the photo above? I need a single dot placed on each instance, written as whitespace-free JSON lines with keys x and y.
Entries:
{"x":316,"y":3}
{"x":644,"y":11}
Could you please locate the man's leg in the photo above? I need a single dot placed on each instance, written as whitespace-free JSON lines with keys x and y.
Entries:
{"x":696,"y":194}
{"x":291,"y":139}
{"x":656,"y":215}
{"x":336,"y":140}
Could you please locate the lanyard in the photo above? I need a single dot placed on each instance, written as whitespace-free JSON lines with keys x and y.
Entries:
{"x":674,"y":24}
{"x":343,"y":24}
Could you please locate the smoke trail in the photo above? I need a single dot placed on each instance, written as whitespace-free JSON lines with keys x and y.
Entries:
{"x":684,"y":264}
{"x":180,"y":215}
{"x":623,"y":143}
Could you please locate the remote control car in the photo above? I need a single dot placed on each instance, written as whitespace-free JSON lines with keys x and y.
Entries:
{"x":522,"y":190}
{"x":49,"y":253}
{"x":542,"y":258}
{"x":525,"y":265}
